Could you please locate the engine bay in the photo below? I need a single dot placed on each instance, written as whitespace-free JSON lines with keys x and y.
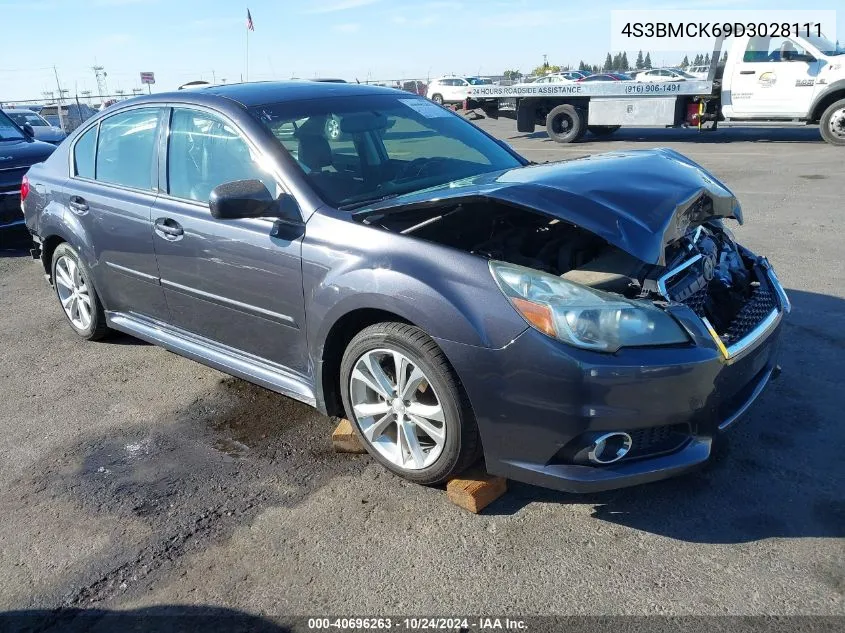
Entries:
{"x":705,"y":269}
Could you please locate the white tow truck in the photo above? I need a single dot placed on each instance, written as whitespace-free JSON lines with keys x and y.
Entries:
{"x":764,"y":79}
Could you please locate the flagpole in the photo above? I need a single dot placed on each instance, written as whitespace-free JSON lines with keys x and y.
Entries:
{"x":247,"y":55}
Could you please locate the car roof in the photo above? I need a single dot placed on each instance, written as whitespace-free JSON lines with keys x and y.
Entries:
{"x":261,"y":92}
{"x":19,"y":111}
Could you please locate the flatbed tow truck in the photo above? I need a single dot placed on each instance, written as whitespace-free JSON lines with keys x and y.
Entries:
{"x":775,"y":79}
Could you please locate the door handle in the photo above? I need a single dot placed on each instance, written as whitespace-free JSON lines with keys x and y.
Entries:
{"x":169,"y":229}
{"x":78,"y":204}
{"x":747,"y":72}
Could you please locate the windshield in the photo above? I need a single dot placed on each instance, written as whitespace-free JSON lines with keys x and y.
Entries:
{"x":355,"y":150}
{"x":28,"y":117}
{"x":477,"y":81}
{"x":825,"y":46}
{"x":8,"y":130}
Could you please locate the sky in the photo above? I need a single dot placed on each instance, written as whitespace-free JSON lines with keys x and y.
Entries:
{"x":376,"y":40}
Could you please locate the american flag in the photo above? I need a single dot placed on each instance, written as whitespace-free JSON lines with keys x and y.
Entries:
{"x":249,"y":24}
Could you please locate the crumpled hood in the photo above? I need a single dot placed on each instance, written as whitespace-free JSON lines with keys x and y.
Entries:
{"x":639,"y":200}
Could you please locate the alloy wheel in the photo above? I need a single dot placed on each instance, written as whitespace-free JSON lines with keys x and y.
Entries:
{"x":73,"y":292}
{"x":397,"y":409}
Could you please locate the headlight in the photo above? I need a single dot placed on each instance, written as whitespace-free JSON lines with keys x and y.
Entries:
{"x":582,"y":316}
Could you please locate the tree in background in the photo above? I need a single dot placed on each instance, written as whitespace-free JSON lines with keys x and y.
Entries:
{"x":625,"y":65}
{"x":640,"y":62}
{"x":582,"y":65}
{"x":707,"y":59}
{"x":512,"y":74}
{"x":647,"y":62}
{"x":725,"y":58}
{"x":685,"y":63}
{"x":608,"y":62}
{"x":545,"y":69}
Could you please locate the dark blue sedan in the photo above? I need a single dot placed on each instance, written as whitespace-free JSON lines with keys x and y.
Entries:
{"x":583,"y":325}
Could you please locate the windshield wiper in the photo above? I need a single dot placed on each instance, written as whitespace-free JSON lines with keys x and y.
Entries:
{"x":364,"y":203}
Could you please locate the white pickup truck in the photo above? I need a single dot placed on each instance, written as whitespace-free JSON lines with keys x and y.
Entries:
{"x":763,"y":79}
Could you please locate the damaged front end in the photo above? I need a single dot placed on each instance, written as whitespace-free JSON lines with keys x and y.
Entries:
{"x":596,"y":251}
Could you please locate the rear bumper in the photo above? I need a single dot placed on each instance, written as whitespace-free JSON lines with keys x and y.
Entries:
{"x":536,"y":398}
{"x":10,"y":209}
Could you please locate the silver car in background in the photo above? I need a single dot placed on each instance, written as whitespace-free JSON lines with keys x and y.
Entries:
{"x":40,"y":126}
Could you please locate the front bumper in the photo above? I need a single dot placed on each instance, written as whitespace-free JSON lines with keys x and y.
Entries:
{"x":535,"y":397}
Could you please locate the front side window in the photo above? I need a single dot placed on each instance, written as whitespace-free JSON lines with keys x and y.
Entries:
{"x":205,"y":151}
{"x":352,"y":149}
{"x":83,"y":154}
{"x":773,"y":49}
{"x":126,"y":148}
{"x":28,"y":117}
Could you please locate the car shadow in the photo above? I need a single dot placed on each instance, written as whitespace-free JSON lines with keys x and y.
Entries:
{"x":15,"y":241}
{"x":778,"y":474}
{"x":160,"y":618}
{"x":750,"y":134}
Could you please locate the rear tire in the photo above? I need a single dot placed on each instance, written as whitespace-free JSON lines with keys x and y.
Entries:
{"x":438,"y":99}
{"x":832,"y":123}
{"x":565,"y":124}
{"x":603,"y":130}
{"x":77,"y":296}
{"x":388,"y":419}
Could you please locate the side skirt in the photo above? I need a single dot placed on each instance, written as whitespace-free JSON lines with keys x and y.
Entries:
{"x":221,"y":357}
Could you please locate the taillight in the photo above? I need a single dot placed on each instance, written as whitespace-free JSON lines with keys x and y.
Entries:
{"x":24,"y":188}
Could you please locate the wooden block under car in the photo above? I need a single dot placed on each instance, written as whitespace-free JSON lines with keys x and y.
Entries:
{"x":345,"y":440}
{"x":475,"y":490}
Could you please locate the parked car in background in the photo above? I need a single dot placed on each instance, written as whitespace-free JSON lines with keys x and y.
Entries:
{"x":42,"y":128}
{"x":453,"y":89}
{"x":699,"y":72}
{"x":73,"y":115}
{"x":583,"y":325}
{"x":663,"y":74}
{"x":18,"y":151}
{"x":607,"y":77}
{"x":419,"y":88}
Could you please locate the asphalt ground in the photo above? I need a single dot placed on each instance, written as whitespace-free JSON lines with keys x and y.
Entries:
{"x":133,"y":478}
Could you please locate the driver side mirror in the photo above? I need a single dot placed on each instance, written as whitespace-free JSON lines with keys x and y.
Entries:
{"x":28,"y":129}
{"x":251,"y":199}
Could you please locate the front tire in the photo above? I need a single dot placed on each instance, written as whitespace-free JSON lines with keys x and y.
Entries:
{"x":438,"y":99}
{"x":566,"y":124}
{"x":407,"y":405}
{"x":76,"y":293}
{"x":832,"y":123}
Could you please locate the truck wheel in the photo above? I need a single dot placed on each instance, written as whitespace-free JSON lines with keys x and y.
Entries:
{"x":565,"y":124}
{"x":438,"y":99}
{"x":832,"y":123}
{"x":603,"y":130}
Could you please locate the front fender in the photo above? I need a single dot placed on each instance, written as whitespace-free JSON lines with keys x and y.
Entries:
{"x":448,"y":293}
{"x":836,"y":88}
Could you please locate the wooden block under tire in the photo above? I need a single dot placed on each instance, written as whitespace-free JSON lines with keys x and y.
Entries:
{"x":345,"y":439}
{"x":475,"y":490}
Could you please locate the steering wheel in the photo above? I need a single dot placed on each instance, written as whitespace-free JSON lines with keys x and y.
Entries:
{"x":418,"y":167}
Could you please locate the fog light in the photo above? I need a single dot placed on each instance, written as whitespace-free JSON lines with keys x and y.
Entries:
{"x":609,"y":448}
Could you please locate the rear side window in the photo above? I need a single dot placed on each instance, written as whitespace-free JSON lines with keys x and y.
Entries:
{"x":126,"y":147}
{"x":205,"y":151}
{"x":83,"y":154}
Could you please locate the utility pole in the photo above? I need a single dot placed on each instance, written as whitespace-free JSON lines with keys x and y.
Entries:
{"x":100,"y":74}
{"x":61,"y":100}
